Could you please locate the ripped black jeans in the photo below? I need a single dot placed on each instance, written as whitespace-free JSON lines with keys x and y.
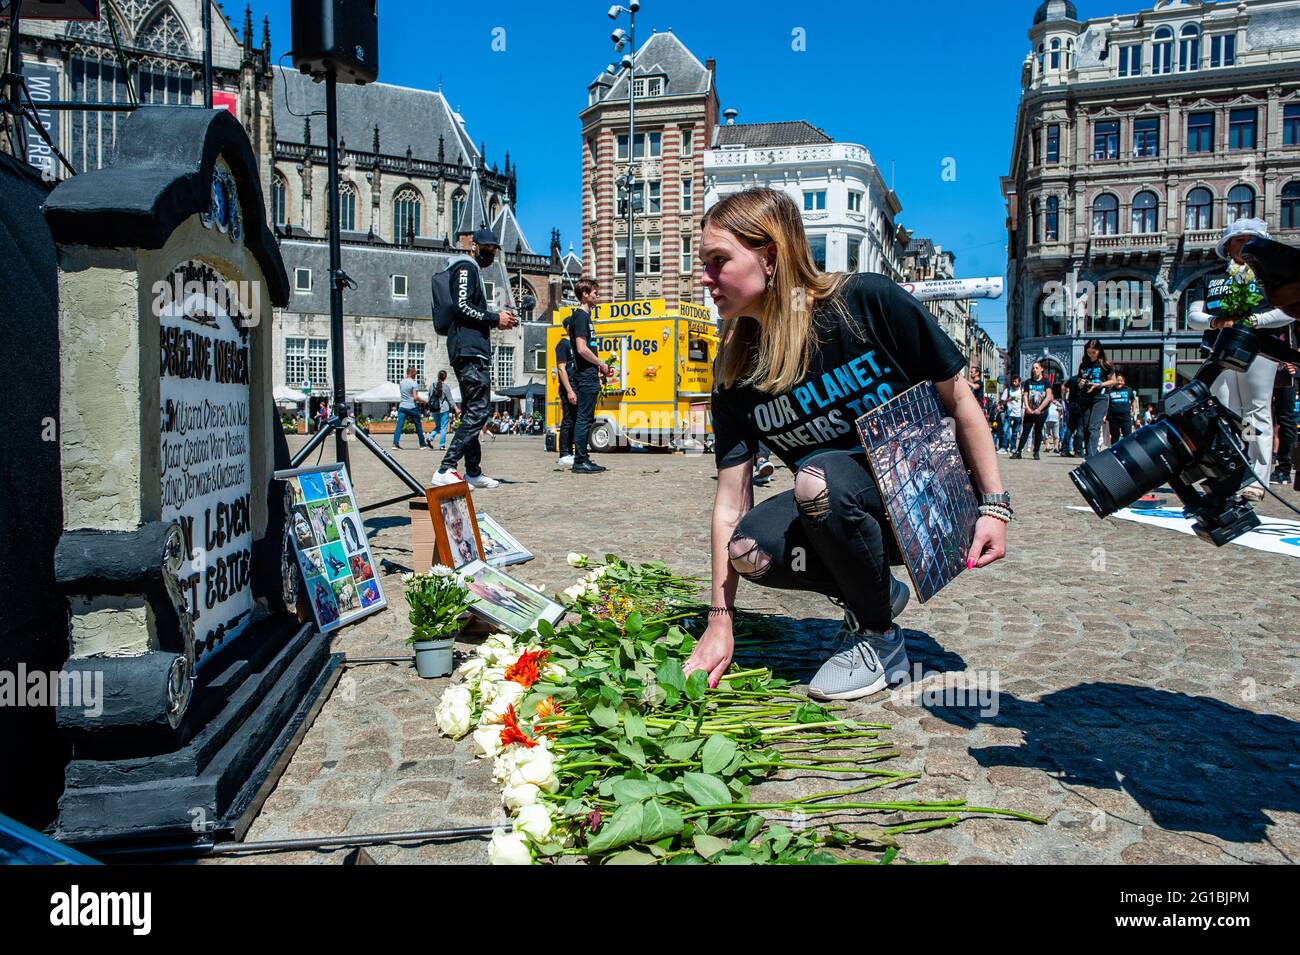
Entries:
{"x":829,"y":535}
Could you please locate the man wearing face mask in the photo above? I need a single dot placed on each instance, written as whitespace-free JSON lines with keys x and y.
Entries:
{"x":469,"y":346}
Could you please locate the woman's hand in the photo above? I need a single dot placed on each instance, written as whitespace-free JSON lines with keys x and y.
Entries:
{"x":713,"y":652}
{"x":990,"y":542}
{"x":1221,"y":323}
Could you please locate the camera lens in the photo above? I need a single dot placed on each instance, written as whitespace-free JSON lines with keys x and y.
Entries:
{"x":1140,"y":463}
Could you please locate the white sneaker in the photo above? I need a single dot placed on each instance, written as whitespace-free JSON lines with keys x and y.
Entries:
{"x":483,"y":481}
{"x":764,"y":470}
{"x":566,"y":461}
{"x":443,"y":478}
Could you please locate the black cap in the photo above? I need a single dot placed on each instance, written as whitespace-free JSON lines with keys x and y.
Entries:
{"x":486,"y":237}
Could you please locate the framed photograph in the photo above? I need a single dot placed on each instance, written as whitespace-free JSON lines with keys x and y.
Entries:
{"x":455,"y":528}
{"x":339,"y":572}
{"x":500,"y":549}
{"x":506,"y":602}
{"x":923,"y":481}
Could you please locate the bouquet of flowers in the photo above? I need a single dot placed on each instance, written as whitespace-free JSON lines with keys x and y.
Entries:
{"x":437,"y":601}
{"x":1241,"y":296}
{"x":605,"y":749}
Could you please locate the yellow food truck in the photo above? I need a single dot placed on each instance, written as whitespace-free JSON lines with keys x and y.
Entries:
{"x":663,"y":375}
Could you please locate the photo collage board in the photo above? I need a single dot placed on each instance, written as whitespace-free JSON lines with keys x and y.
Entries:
{"x":340,"y":575}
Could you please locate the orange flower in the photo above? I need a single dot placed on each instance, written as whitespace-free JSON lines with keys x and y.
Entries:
{"x":527,"y":669}
{"x":511,"y":733}
{"x":549,"y":709}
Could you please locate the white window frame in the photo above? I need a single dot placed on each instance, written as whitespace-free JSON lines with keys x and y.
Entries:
{"x":405,"y":286}
{"x":490,"y":290}
{"x":687,"y":260}
{"x":687,"y":141}
{"x":688,"y":195}
{"x":818,"y":197}
{"x":298,"y":274}
{"x":855,"y":200}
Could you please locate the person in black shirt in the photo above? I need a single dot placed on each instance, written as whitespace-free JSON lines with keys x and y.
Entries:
{"x":802,"y":355}
{"x":1119,"y":415}
{"x":1038,"y":395}
{"x":470,"y":349}
{"x":1096,"y":374}
{"x":589,"y":370}
{"x":566,"y":373}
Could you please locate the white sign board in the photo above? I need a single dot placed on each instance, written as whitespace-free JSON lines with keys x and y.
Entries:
{"x":206,"y":469}
{"x":954,"y":289}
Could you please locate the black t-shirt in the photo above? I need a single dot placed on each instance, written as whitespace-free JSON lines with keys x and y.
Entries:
{"x":1091,"y":375}
{"x":888,"y":344}
{"x":580,"y":327}
{"x":1121,"y":402}
{"x":564,"y":356}
{"x":1034,"y":395}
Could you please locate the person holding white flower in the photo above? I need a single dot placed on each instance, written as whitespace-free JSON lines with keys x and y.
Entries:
{"x":1249,"y":392}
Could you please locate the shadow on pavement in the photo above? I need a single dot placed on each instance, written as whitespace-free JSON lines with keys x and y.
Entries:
{"x":1193,"y":763}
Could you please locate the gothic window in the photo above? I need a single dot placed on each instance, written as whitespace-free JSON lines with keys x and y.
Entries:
{"x":279,"y":200}
{"x":406,"y":216}
{"x":1146,"y":213}
{"x":164,"y":34}
{"x":348,"y":208}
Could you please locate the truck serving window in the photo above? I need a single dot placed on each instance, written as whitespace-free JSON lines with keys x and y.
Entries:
{"x":698,"y":349}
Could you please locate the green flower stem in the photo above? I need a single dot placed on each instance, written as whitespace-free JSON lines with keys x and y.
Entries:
{"x":875,"y":806}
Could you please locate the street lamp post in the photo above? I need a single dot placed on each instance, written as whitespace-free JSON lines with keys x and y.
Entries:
{"x":629,"y":61}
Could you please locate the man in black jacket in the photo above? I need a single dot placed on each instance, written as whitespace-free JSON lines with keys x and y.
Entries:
{"x":469,"y":346}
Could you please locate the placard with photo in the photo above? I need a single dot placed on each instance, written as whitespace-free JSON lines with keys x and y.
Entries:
{"x":339,"y":572}
{"x":923,"y":481}
{"x":500,"y":549}
{"x":507,"y":602}
{"x":455,"y":528}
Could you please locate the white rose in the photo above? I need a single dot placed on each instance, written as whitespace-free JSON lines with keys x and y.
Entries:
{"x":487,"y":739}
{"x":534,"y":822}
{"x":504,"y":764}
{"x":555,"y":672}
{"x":515,"y":798}
{"x":577,"y":560}
{"x":509,"y":848}
{"x":536,"y":766}
{"x":454,"y":712}
{"x":574,"y":592}
{"x":497,"y":649}
{"x":471,"y":670}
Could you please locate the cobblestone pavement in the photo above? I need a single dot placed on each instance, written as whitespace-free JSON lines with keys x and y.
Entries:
{"x":1148,"y":698}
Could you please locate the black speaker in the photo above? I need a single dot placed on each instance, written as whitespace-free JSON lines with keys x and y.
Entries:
{"x":342,"y":35}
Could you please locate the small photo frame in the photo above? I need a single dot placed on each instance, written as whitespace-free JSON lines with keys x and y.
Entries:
{"x":455,"y":528}
{"x":507,"y":602}
{"x":500,"y":549}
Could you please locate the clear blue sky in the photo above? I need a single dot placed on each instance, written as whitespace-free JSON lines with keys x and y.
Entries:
{"x":914,"y":82}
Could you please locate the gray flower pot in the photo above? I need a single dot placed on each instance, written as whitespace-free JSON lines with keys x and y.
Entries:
{"x":433,"y":657}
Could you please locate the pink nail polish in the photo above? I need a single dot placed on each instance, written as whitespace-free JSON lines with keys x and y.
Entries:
{"x":970,"y":563}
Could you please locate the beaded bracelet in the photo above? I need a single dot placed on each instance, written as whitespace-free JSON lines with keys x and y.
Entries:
{"x":998,"y":511}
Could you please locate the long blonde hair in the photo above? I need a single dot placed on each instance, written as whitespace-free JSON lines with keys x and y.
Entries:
{"x":771,"y":351}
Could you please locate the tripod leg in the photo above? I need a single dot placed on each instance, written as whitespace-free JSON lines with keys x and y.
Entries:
{"x":370,"y":444}
{"x":316,"y":440}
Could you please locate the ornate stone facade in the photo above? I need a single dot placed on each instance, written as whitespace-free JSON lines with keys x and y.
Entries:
{"x":1138,"y":138}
